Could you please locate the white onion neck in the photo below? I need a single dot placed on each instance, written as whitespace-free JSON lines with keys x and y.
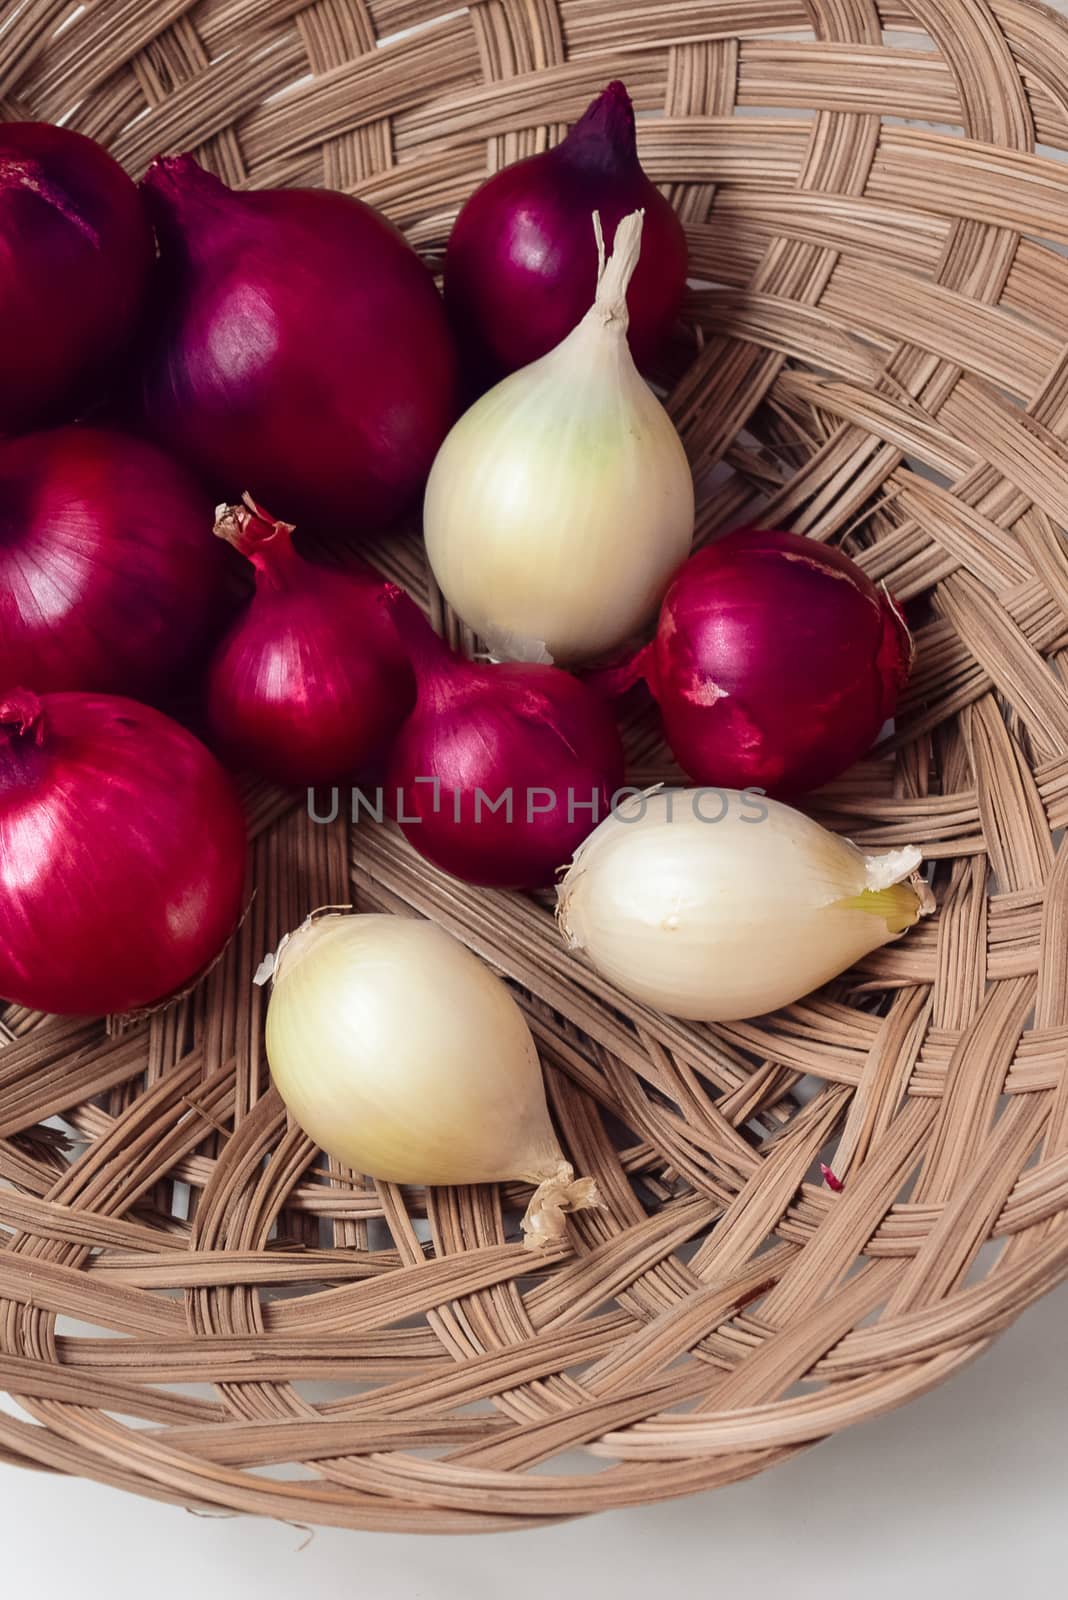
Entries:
{"x":614,"y":275}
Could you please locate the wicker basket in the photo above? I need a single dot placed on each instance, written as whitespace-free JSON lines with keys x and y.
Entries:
{"x":880,"y":353}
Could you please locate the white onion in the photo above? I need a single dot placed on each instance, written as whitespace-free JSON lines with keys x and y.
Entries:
{"x":403,"y":1056}
{"x":560,"y":505}
{"x":717,"y":920}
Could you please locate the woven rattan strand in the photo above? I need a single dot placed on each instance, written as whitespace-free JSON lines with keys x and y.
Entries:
{"x":877,"y":350}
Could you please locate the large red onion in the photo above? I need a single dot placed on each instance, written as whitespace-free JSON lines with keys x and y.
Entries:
{"x":303,"y":348}
{"x":776,"y":662}
{"x":311,"y":680}
{"x":122,"y":854}
{"x":75,"y":252}
{"x":109,"y":576}
{"x":521,"y":268}
{"x":480,"y":734}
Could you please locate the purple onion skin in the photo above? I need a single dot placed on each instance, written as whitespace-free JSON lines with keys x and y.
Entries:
{"x":776,"y":662}
{"x":516,"y":728}
{"x":521,"y":266}
{"x":109,"y":576}
{"x":122,"y":854}
{"x":76,"y":250}
{"x":311,"y":681}
{"x":303,"y":349}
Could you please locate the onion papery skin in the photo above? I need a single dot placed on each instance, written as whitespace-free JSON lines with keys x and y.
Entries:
{"x":122,"y":854}
{"x":523,"y":729}
{"x":303,"y":349}
{"x":311,"y":681}
{"x":521,"y":268}
{"x":109,"y":577}
{"x":775,"y":663}
{"x":76,"y":250}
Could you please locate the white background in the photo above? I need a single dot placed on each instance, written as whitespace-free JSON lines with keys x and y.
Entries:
{"x":966,"y":1489}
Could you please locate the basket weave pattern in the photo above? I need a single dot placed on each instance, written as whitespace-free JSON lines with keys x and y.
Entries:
{"x":880,"y":354}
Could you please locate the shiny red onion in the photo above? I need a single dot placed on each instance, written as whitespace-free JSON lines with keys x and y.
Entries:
{"x":480,"y":734}
{"x":302,"y":349}
{"x":75,"y":252}
{"x":122,"y":854}
{"x":776,"y":662}
{"x":311,"y":681}
{"x":109,"y":576}
{"x":521,"y":266}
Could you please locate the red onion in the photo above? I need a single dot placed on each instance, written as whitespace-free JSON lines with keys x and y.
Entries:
{"x":109,"y":577}
{"x":521,"y":268}
{"x":776,"y":661}
{"x":303,"y":347}
{"x":312,"y":679}
{"x":480,"y":734}
{"x":75,"y":253}
{"x":122,"y":854}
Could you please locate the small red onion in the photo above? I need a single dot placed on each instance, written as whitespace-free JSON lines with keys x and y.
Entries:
{"x":482,"y":733}
{"x":122,"y":854}
{"x":75,"y":252}
{"x":109,"y":576}
{"x":311,"y":680}
{"x":776,"y":662}
{"x":521,"y":269}
{"x":303,"y":348}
